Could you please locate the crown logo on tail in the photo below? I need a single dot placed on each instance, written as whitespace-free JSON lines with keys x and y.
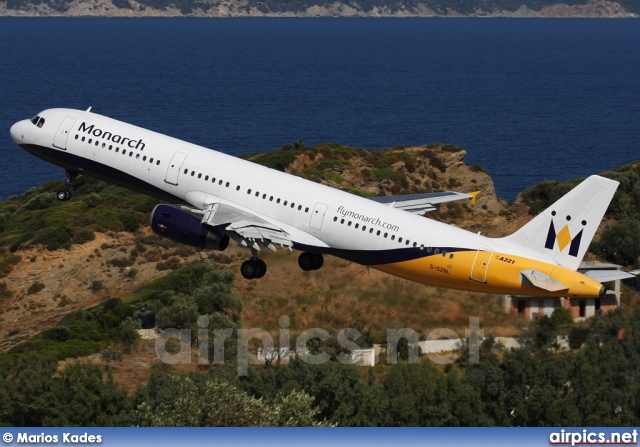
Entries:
{"x":564,"y":237}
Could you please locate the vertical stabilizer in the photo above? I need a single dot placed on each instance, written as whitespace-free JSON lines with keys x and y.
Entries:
{"x":564,"y":231}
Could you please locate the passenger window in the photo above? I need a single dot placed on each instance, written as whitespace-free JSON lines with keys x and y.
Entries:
{"x":199,"y":175}
{"x":137,"y":156}
{"x":158,"y":162}
{"x":76,"y":136}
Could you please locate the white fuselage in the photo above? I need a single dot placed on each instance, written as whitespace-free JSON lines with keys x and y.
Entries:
{"x":317,"y":217}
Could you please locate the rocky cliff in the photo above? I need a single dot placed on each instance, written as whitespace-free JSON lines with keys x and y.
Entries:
{"x":304,"y":8}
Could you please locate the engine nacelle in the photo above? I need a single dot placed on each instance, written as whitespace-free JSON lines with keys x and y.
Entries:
{"x":185,"y":228}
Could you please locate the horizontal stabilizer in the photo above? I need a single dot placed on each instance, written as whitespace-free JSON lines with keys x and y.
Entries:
{"x":422,"y":203}
{"x":542,"y":281}
{"x":606,"y":275}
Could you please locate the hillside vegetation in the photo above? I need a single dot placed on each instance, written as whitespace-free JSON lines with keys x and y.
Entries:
{"x":76,"y":277}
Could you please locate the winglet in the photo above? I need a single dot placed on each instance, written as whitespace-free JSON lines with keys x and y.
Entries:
{"x":474,"y":195}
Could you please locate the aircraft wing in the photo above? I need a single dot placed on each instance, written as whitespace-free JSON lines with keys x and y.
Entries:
{"x":421,"y":203}
{"x":249,"y":228}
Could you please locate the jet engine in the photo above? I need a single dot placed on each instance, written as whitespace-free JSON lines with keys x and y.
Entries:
{"x":183,"y":227}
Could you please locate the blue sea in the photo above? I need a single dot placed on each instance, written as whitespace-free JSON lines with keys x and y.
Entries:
{"x":529,"y":99}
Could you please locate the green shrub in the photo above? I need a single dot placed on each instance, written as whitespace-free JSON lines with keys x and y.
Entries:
{"x":52,"y":237}
{"x":620,"y":243}
{"x":35,"y":288}
{"x":96,"y":286}
{"x":4,"y":291}
{"x":383,"y":173}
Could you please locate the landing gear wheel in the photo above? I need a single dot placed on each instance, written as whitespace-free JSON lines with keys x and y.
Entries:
{"x":310,"y":261}
{"x":253,"y":269}
{"x":66,"y":194}
{"x":248,"y":269}
{"x":262,"y":268}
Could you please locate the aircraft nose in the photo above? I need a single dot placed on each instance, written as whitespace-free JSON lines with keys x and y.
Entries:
{"x":17,"y":134}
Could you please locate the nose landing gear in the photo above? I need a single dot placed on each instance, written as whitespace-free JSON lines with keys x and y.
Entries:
{"x":66,"y":194}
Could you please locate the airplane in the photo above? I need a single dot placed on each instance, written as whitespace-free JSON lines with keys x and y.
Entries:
{"x":213,"y":198}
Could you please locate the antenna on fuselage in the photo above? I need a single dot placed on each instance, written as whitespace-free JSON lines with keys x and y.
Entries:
{"x":89,"y":109}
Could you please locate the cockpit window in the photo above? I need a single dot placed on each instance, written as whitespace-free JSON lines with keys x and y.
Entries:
{"x":38,"y":121}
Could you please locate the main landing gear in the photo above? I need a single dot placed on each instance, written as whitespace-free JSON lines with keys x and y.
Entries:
{"x":255,"y":268}
{"x":310,"y":261}
{"x":66,"y":194}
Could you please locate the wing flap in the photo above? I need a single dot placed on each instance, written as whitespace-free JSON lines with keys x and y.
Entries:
{"x":249,"y":227}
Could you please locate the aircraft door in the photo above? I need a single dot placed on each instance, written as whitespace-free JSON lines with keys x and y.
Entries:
{"x":481,"y":265}
{"x":60,"y":140}
{"x":317,"y":216}
{"x":174,"y":168}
